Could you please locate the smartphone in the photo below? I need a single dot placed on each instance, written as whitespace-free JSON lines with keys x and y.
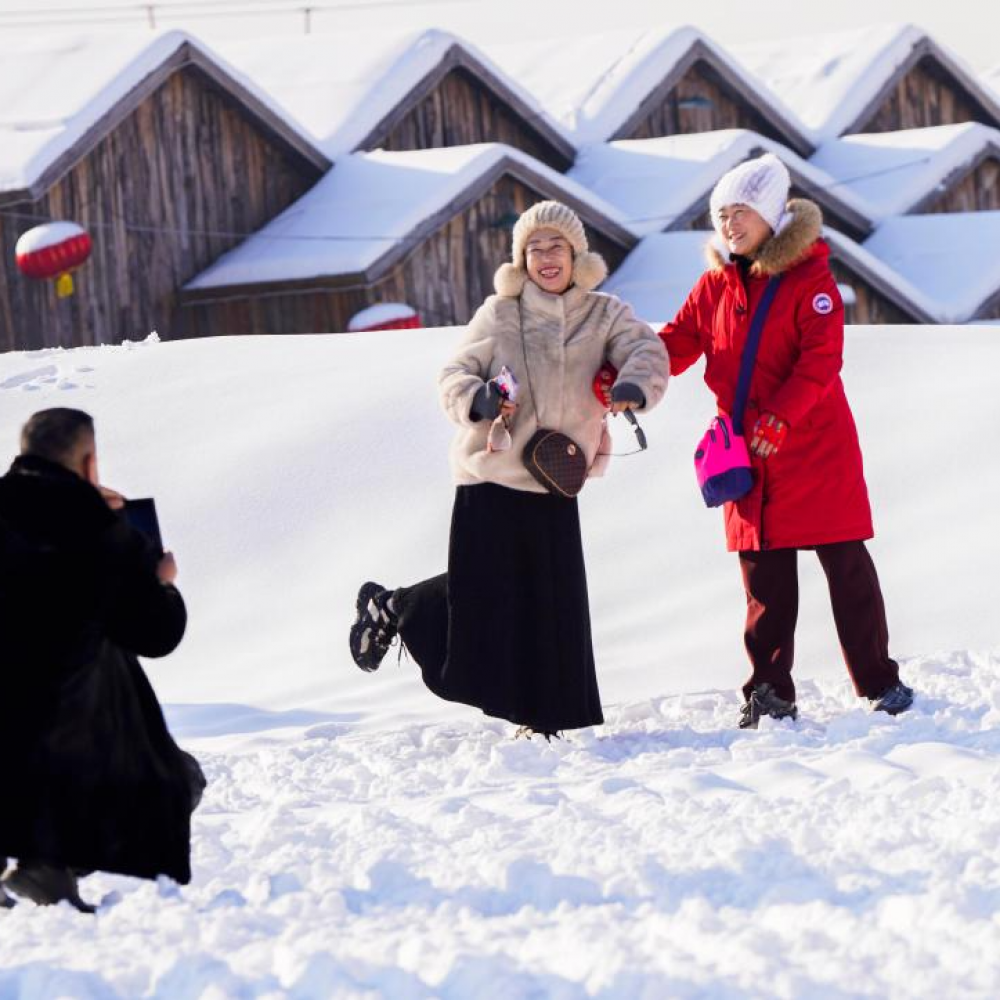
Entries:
{"x":141,"y":514}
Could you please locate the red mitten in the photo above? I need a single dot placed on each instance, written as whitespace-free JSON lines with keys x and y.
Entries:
{"x":768,"y":435}
{"x":603,"y":383}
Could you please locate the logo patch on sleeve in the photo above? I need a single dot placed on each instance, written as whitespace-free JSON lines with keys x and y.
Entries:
{"x":823,"y":304}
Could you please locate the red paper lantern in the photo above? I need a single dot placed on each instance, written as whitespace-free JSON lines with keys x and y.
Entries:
{"x":53,"y":250}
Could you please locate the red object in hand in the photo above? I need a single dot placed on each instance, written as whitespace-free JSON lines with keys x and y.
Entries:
{"x":604,"y":382}
{"x":768,"y":435}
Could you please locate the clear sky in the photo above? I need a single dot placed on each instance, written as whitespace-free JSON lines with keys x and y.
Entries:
{"x":971,"y":28}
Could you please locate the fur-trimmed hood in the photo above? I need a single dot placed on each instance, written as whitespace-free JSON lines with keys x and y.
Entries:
{"x":784,"y":249}
{"x":589,"y":270}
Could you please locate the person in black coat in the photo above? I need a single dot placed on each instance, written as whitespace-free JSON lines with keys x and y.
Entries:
{"x":91,"y":778}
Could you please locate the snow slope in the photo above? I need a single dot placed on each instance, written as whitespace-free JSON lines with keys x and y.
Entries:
{"x":260,"y":454}
{"x":360,"y":839}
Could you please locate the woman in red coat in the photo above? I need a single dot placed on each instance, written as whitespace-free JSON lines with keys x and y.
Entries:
{"x":809,"y":488}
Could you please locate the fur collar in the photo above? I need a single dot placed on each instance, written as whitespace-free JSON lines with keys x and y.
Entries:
{"x":783,"y":250}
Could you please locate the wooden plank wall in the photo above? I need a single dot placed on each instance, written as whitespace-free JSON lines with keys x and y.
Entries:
{"x":714,"y":106}
{"x":186,"y":161}
{"x":991,"y":311}
{"x":924,"y":96}
{"x":445,"y":279}
{"x":871,"y":307}
{"x":460,"y":111}
{"x":978,"y":191}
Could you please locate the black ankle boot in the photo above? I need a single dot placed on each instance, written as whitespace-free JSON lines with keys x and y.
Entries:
{"x":763,"y":701}
{"x":46,"y":885}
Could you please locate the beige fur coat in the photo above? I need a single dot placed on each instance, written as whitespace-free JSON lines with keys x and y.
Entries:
{"x":566,"y":339}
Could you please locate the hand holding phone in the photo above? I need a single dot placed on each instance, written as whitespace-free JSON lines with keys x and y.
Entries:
{"x":166,"y":568}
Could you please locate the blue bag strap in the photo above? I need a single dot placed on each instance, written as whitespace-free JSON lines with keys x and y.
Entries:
{"x":750,"y":352}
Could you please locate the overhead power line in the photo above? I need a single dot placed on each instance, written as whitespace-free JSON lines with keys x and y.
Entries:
{"x":156,"y":15}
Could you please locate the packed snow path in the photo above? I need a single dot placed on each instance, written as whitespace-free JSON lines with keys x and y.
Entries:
{"x":666,"y":854}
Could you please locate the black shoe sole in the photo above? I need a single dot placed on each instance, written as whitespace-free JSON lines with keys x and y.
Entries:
{"x":363,"y":660}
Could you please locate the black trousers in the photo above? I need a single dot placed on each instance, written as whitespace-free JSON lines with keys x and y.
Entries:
{"x":771,"y":581}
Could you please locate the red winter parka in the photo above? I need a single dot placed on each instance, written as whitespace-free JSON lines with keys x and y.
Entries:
{"x":812,"y":491}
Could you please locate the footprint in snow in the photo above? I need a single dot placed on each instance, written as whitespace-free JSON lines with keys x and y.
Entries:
{"x":31,"y":379}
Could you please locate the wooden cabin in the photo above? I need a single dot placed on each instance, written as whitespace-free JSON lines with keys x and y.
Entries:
{"x":973,"y":187}
{"x":928,"y":88}
{"x":177,"y":172}
{"x":461,"y":102}
{"x":989,"y":309}
{"x":701,"y":92}
{"x":865,"y":303}
{"x":870,"y":296}
{"x":443,"y":267}
{"x":415,"y":91}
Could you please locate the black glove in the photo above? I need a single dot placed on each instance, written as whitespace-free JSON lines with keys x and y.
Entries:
{"x":486,"y":403}
{"x":626,"y":392}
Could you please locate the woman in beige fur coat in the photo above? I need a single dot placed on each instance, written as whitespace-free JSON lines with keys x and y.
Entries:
{"x":507,"y":628}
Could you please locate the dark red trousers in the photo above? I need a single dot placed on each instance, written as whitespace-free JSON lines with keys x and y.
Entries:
{"x":771,"y":581}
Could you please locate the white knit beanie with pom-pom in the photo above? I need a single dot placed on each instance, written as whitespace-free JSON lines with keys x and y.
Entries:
{"x":761,"y":183}
{"x":589,"y":269}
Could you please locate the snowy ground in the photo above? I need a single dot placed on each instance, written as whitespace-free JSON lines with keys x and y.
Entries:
{"x":360,"y":839}
{"x":668,"y":855}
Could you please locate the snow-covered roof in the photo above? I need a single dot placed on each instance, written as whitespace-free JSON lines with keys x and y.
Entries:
{"x":891,"y":173}
{"x":892,"y":285}
{"x":831,"y":80}
{"x":597,"y":84}
{"x":55,"y":91}
{"x":658,"y":274}
{"x":372,"y":208}
{"x":664,"y":183}
{"x":343,"y":86}
{"x":656,"y":277}
{"x":949,"y":256}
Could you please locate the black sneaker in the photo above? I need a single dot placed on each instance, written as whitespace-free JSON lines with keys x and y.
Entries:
{"x":46,"y":885}
{"x":896,"y":699}
{"x":375,"y":628}
{"x":6,"y":903}
{"x":763,"y":701}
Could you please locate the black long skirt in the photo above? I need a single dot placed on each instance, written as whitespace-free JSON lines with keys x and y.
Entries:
{"x":507,"y":628}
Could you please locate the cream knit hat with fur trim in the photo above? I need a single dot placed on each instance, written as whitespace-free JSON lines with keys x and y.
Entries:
{"x":589,"y":269}
{"x":762,"y":184}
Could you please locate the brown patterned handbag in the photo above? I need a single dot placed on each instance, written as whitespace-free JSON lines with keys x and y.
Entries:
{"x":556,"y":461}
